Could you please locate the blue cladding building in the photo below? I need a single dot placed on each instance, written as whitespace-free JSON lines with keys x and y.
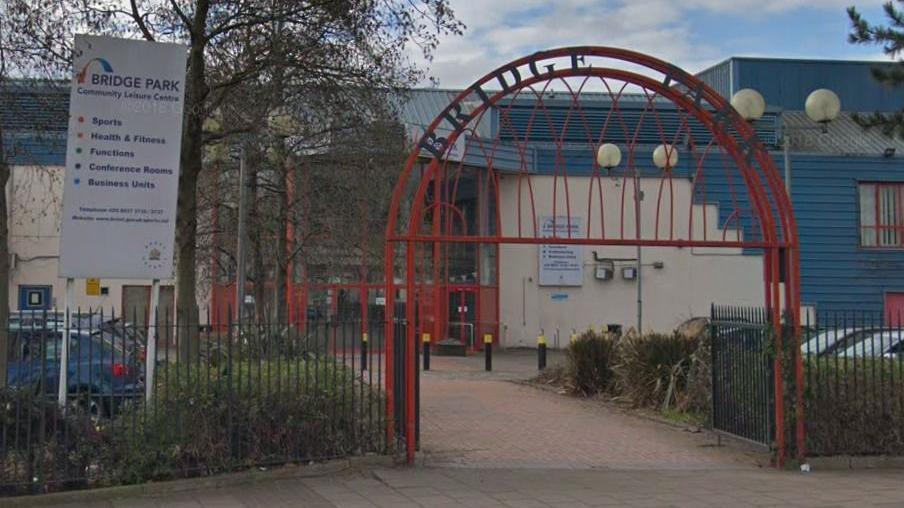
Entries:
{"x":846,"y":183}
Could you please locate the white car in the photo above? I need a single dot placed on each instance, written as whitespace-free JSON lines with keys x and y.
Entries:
{"x":828,"y":341}
{"x":885,"y":343}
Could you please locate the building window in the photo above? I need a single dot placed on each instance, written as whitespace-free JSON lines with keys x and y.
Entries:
{"x":882,"y":215}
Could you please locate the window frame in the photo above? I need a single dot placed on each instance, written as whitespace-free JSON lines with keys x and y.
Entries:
{"x":878,"y":228}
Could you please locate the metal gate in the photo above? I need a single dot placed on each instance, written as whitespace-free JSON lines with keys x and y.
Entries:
{"x":742,"y":373}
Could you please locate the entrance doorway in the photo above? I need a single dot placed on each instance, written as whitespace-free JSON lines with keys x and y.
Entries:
{"x":136,"y":304}
{"x":463,"y":316}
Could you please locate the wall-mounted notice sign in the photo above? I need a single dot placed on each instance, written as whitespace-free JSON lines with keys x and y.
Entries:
{"x":122,"y":159}
{"x":561,"y":265}
{"x":92,"y":287}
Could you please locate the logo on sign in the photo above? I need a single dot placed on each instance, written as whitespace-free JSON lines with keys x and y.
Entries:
{"x":104,"y":64}
{"x":153,"y":257}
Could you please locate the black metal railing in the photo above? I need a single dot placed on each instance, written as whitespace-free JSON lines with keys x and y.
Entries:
{"x":201,"y":400}
{"x":743,"y":397}
{"x":854,"y":379}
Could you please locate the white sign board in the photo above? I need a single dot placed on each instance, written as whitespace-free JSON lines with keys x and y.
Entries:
{"x":455,"y":152}
{"x":561,"y":265}
{"x":122,"y":159}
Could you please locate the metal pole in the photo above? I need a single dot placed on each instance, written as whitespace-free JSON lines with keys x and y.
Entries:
{"x":425,"y":338}
{"x":639,"y":197}
{"x":64,"y":343}
{"x":151,"y":353}
{"x":240,"y":249}
{"x":541,"y":351}
{"x":786,"y":142}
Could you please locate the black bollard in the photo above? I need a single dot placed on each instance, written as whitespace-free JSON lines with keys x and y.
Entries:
{"x":364,"y":351}
{"x":425,"y":338}
{"x":488,"y":351}
{"x":541,"y":352}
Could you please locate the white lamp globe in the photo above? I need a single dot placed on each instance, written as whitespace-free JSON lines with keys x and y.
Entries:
{"x":665,"y":156}
{"x":822,"y":106}
{"x":608,"y":155}
{"x":749,"y":104}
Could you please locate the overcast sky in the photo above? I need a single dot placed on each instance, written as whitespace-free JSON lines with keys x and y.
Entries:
{"x":691,"y":33}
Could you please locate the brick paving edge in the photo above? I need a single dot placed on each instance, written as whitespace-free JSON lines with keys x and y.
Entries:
{"x":150,"y":489}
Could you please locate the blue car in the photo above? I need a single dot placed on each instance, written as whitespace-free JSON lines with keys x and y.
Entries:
{"x":101,"y":373}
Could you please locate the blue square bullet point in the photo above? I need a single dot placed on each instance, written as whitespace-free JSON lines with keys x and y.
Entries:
{"x":77,"y":181}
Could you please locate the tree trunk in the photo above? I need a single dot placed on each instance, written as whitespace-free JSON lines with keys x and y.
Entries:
{"x":280,"y":279}
{"x":256,"y":226}
{"x":187,"y":209}
{"x":4,"y":266}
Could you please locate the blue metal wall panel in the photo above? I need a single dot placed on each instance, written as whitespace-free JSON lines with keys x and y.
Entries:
{"x":718,"y":77}
{"x":630,"y":123}
{"x":837,"y":274}
{"x":786,"y":83}
{"x":30,"y":149}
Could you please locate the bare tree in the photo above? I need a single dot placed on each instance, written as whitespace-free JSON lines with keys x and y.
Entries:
{"x":343,"y":46}
{"x":4,"y":234}
{"x":32,"y":113}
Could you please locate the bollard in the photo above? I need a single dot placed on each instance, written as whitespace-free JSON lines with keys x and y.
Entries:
{"x":541,"y":352}
{"x":425,"y":338}
{"x":488,"y":351}
{"x":364,"y":351}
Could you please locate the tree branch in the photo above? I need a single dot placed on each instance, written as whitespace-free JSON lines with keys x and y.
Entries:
{"x":139,"y":20}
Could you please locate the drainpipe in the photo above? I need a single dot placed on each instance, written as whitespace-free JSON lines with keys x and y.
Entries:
{"x":786,"y":142}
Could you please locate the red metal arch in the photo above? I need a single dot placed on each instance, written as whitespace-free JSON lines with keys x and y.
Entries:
{"x":771,"y":209}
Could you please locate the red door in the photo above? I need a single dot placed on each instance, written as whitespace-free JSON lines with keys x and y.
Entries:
{"x":463,"y":316}
{"x":894,"y":309}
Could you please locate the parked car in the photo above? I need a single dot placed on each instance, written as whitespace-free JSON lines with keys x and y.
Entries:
{"x":35,"y":320}
{"x":126,"y":335}
{"x":101,"y":374}
{"x":878,"y":343}
{"x":827,"y":341}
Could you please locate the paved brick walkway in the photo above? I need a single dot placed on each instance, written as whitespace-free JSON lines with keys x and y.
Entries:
{"x":475,"y":419}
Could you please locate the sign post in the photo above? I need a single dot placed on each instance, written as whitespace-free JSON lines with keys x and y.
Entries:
{"x":122,"y":164}
{"x":62,"y":389}
{"x":151,"y":352}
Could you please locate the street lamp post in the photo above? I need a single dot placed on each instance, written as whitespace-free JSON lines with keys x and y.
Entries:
{"x":665,"y":157}
{"x":822,"y":107}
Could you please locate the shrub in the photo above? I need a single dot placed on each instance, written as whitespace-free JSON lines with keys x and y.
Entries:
{"x":204,"y":420}
{"x":699,"y":395}
{"x":854,"y":407}
{"x":652,"y":370}
{"x":43,"y":445}
{"x":590,"y":363}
